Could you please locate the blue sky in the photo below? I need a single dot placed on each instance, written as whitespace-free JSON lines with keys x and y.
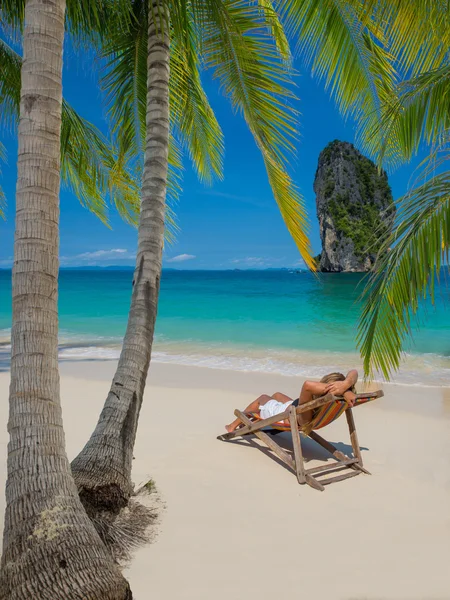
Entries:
{"x":233,"y":224}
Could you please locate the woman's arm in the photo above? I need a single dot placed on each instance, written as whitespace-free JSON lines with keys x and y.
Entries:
{"x":316,"y":388}
{"x":338,"y":388}
{"x":350,"y":398}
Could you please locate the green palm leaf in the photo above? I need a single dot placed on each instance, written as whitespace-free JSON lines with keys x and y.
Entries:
{"x":418,"y":32}
{"x":419,"y":112}
{"x":9,"y":85}
{"x":191,"y":114}
{"x":245,"y":60}
{"x":420,"y":246}
{"x":90,"y":166}
{"x":2,"y":195}
{"x":348,"y":52}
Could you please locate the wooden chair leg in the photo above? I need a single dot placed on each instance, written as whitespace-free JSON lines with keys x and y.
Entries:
{"x":298,"y":456}
{"x":282,"y":455}
{"x":327,"y":445}
{"x":354,"y":440}
{"x":353,"y":436}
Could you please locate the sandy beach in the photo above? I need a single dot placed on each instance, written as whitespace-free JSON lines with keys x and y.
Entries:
{"x":236,"y":523}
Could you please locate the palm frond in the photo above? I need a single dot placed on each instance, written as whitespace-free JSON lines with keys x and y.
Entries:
{"x":272,"y":17}
{"x":90,"y":166}
{"x":2,"y":194}
{"x":174,"y":179}
{"x":238,"y":47}
{"x":12,"y":14}
{"x":415,"y":252}
{"x":418,"y":112}
{"x":418,"y":32}
{"x":192,"y":116}
{"x":11,"y":64}
{"x":348,"y":53}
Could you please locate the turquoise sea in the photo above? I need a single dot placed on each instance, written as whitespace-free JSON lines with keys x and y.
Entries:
{"x":275,"y":321}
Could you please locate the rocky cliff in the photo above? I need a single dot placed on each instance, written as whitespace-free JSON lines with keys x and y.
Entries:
{"x":354,"y":206}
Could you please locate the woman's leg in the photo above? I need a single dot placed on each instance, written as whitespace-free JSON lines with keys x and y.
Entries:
{"x":253,"y":407}
{"x":280,"y":397}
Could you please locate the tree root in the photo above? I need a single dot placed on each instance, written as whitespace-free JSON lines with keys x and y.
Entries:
{"x":132,"y":527}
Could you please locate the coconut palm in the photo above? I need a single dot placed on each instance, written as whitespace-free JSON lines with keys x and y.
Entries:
{"x":50,"y":546}
{"x":156,"y":99}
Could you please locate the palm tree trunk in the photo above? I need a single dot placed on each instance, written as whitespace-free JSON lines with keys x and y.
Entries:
{"x":50,"y":547}
{"x":102,"y":470}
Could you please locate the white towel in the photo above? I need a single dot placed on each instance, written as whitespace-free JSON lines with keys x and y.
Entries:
{"x":272,"y":408}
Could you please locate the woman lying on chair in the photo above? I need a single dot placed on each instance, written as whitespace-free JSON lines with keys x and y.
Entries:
{"x":268,"y":406}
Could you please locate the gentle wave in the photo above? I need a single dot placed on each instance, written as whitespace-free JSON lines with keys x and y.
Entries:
{"x":417,"y":369}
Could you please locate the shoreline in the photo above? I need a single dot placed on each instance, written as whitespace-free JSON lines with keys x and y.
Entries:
{"x":429,"y":370}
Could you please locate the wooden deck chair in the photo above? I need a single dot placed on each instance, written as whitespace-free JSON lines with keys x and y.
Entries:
{"x":328,"y":408}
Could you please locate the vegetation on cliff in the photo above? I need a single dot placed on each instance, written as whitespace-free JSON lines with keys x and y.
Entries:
{"x":357,"y":199}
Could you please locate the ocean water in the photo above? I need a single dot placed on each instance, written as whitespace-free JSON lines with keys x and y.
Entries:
{"x":273,"y":321}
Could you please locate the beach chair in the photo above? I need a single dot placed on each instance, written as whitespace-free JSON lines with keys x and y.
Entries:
{"x":328,"y":408}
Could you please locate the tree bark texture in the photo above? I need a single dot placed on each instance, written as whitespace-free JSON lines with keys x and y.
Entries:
{"x":102,"y":470}
{"x":51,"y":549}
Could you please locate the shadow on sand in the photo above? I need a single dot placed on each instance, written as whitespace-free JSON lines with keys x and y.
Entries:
{"x":310,"y":449}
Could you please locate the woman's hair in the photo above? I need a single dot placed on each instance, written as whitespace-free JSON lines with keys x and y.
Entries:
{"x":332,"y":377}
{"x":335,"y":377}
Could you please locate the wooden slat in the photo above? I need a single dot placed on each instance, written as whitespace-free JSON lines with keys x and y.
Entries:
{"x":282,"y":455}
{"x":332,"y":466}
{"x":340,"y":477}
{"x":298,"y":456}
{"x":377,"y":394}
{"x":335,"y":452}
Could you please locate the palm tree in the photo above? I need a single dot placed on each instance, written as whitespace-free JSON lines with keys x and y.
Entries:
{"x":50,"y":546}
{"x":244,"y":44}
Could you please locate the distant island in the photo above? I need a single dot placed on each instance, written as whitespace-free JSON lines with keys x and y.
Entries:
{"x":355,"y":208}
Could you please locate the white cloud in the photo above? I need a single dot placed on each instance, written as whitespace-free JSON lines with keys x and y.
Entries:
{"x":101,"y":253}
{"x":181,"y":258}
{"x":90,"y":259}
{"x":97,"y":257}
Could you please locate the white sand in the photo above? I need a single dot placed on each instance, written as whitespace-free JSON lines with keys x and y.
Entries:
{"x":238,"y":525}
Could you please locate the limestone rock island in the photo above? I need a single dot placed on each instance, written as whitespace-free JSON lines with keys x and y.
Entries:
{"x":354,"y":207}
